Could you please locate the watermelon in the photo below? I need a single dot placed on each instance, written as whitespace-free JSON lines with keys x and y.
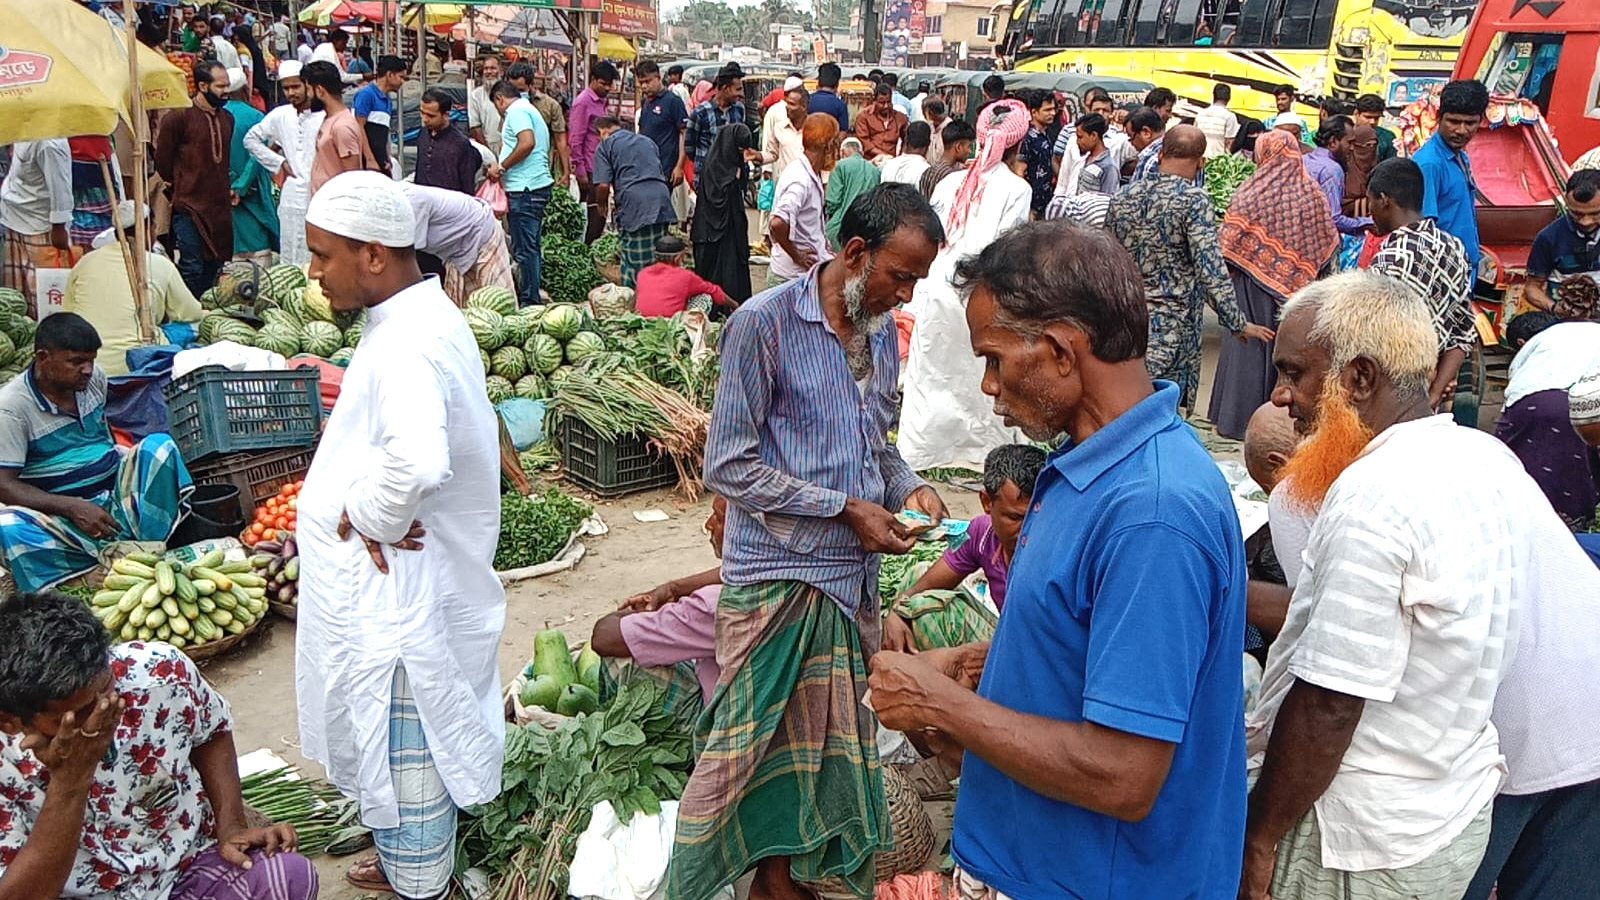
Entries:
{"x":207,"y":331}
{"x":342,"y":356}
{"x":237,"y":332}
{"x":208,"y":299}
{"x":280,"y":318}
{"x":8,"y":350}
{"x":13,"y":301}
{"x":518,"y":329}
{"x":543,"y":353}
{"x":583,"y":345}
{"x":316,"y":305}
{"x":535,"y":314}
{"x":278,"y":339}
{"x":321,"y":338}
{"x":493,"y":297}
{"x":488,"y":327}
{"x":284,"y":278}
{"x":562,"y":322}
{"x":498,"y":389}
{"x":352,"y":335}
{"x":509,"y":363}
{"x":532,"y":387}
{"x":484,"y":356}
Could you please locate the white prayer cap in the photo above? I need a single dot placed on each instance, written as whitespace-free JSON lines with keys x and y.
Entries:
{"x":235,"y":79}
{"x":289,"y":68}
{"x":791,"y":83}
{"x":365,"y":207}
{"x":124,"y":214}
{"x":1583,"y":400}
{"x":1288,"y":118}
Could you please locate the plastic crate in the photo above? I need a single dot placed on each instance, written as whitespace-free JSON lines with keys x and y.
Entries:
{"x":609,"y":468}
{"x":258,"y":475}
{"x":213,"y":410}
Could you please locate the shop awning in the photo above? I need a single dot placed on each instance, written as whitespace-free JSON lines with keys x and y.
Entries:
{"x":614,"y":46}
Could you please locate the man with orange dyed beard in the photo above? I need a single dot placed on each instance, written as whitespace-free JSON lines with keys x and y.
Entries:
{"x":1377,"y":763}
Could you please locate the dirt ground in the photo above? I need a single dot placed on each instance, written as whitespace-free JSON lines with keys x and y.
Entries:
{"x":258,"y":679}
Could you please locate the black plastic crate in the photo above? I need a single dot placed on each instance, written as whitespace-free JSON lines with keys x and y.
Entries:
{"x":258,"y":475}
{"x":609,"y":468}
{"x":213,"y":410}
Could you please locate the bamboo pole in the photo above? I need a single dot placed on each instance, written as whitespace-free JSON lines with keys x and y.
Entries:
{"x":145,"y":329}
{"x":141,"y":133}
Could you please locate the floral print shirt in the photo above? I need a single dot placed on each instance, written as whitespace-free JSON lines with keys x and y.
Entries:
{"x":1040,"y":171}
{"x":148,"y":816}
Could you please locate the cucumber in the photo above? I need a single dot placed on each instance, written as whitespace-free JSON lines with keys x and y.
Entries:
{"x":106,"y":598}
{"x":204,"y":587}
{"x":165,"y":579}
{"x":236,"y":567}
{"x":128,"y":633}
{"x":155,"y":618}
{"x":141,"y":556}
{"x":127,"y":566}
{"x":177,"y":640}
{"x":134,"y":594}
{"x":152,"y":596}
{"x":189,"y":608}
{"x":146,"y":634}
{"x":169,"y":605}
{"x":120,"y":582}
{"x":206,"y":604}
{"x":137,"y":617}
{"x":163,"y":633}
{"x":222,"y":617}
{"x":211,"y":559}
{"x":179,"y":625}
{"x":186,"y":588}
{"x":222,"y":581}
{"x":235,"y":627}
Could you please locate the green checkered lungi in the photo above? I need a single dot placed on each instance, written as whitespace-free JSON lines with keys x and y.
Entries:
{"x":788,"y":764}
{"x":639,"y":250}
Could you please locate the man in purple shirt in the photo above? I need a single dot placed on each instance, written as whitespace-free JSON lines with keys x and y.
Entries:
{"x":1325,"y":164}
{"x":1009,"y":472}
{"x":582,"y":138}
{"x":798,"y":447}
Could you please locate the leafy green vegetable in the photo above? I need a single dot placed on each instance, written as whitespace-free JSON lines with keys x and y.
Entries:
{"x":534,"y":529}
{"x":564,"y":217}
{"x":660,"y":349}
{"x":633,"y":753}
{"x":896,"y":573}
{"x":606,"y":249}
{"x":567,"y":271}
{"x":1224,"y":174}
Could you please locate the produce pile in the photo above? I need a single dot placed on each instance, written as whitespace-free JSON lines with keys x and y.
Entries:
{"x":631,"y":752}
{"x":16,"y":334}
{"x":534,"y":529}
{"x":146,"y":597}
{"x":567,"y":269}
{"x":896,"y":573}
{"x":277,"y":517}
{"x":279,"y":563}
{"x":555,"y":683}
{"x":1224,"y":174}
{"x":319,"y":813}
{"x":296,"y":317}
{"x":616,"y":401}
{"x":524,"y":349}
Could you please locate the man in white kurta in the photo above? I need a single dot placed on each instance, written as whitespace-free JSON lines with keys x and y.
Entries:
{"x":283,"y":143}
{"x":946,"y":421}
{"x":395,"y":671}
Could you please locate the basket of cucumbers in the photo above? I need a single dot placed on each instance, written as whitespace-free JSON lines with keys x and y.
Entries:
{"x":204,"y":608}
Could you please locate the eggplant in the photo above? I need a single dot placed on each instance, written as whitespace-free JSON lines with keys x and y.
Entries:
{"x":275,"y":565}
{"x":269,"y":546}
{"x":287,"y":594}
{"x":289,"y":549}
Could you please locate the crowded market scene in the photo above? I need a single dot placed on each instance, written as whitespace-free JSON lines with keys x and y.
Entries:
{"x":720,"y":373}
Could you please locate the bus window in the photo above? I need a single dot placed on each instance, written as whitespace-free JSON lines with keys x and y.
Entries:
{"x":1068,"y":26}
{"x":1322,"y":23}
{"x":1183,"y":26}
{"x":1145,"y":16}
{"x":1295,"y":20}
{"x":1108,"y":22}
{"x":1253,"y":18}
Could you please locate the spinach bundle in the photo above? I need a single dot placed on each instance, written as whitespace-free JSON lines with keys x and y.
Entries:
{"x":533,"y":529}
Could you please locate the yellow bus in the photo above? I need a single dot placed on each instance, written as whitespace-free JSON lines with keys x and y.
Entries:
{"x":1323,"y":48}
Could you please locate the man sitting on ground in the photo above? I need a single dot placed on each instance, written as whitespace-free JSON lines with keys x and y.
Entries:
{"x":1008,"y":475}
{"x":67,"y":489}
{"x":666,"y":288}
{"x":118,"y":775}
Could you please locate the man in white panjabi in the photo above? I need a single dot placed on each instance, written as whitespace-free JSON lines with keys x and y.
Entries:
{"x":946,"y":420}
{"x":284,"y":143}
{"x":400,"y":609}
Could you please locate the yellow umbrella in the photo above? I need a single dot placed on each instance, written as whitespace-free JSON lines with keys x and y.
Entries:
{"x":64,"y":72}
{"x":614,"y":46}
{"x":436,"y":15}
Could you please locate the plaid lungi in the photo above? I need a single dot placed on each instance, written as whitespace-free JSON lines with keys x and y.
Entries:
{"x":24,"y":253}
{"x":91,"y":204}
{"x":493,"y":267}
{"x":418,"y":855}
{"x":1444,"y":875}
{"x":787,"y":762}
{"x":639,"y":250}
{"x":281,"y":876}
{"x":145,"y":500}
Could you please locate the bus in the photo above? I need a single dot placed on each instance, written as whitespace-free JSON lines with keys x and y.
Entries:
{"x":1396,"y":49}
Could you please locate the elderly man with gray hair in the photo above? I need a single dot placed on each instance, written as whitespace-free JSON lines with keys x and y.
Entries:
{"x":1378,"y":763}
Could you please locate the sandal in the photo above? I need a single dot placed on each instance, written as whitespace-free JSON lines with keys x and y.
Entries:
{"x":367,"y":875}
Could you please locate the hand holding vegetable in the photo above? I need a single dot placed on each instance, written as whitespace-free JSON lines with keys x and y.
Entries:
{"x":236,"y":847}
{"x":412,"y":540}
{"x":878,"y":529}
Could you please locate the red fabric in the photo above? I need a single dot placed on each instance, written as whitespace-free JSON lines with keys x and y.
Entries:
{"x":773,"y":98}
{"x":331,"y":378}
{"x":90,"y":147}
{"x":664,"y":290}
{"x":902,"y":324}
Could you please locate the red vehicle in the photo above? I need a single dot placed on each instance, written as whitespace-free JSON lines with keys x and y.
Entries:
{"x":1546,"y":51}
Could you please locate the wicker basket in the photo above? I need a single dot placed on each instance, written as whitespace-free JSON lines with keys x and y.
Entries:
{"x":210,"y":649}
{"x":912,"y":830}
{"x":287,"y":610}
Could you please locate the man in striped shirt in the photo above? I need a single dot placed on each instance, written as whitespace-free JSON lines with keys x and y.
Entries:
{"x":788,"y":780}
{"x":1377,"y":762}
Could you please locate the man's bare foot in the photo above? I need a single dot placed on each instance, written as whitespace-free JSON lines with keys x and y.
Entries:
{"x":773,"y":882}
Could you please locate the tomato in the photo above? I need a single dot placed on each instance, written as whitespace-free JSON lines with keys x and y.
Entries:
{"x":293,"y":504}
{"x":269,"y":535}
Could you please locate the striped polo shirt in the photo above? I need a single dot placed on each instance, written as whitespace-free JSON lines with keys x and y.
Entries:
{"x":57,"y":451}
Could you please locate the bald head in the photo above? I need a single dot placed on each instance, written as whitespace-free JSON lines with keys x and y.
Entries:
{"x":1269,"y":439}
{"x":1183,"y":151}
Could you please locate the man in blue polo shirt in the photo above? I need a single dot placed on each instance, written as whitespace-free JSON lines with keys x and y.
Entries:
{"x":1104,"y":745}
{"x":1446,"y":171}
{"x":66,"y":489}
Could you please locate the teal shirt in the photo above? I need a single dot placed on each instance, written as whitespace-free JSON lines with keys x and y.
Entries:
{"x":255,"y":216}
{"x":851,"y":178}
{"x":534,"y":171}
{"x":57,"y":451}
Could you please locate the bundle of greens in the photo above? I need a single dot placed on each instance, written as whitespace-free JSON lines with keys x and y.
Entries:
{"x":615,"y":400}
{"x":1224,"y":174}
{"x":564,"y":217}
{"x":661,"y":348}
{"x":896,"y":573}
{"x":633,"y":754}
{"x":606,"y":249}
{"x":567,"y":272}
{"x":533,"y":529}
{"x":319,"y":814}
